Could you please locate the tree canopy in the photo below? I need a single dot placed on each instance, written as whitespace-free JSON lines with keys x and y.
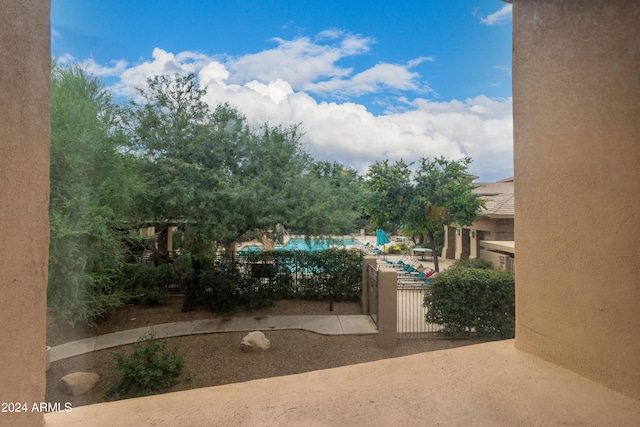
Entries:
{"x":219,"y":178}
{"x":389,"y":193}
{"x":211,"y":171}
{"x":169,"y":157}
{"x":437,"y":193}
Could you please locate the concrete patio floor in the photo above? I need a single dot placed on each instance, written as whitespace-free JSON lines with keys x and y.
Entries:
{"x":490,"y":384}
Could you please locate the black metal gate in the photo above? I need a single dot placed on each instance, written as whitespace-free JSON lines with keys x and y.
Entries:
{"x":372,"y":283}
{"x":411,"y":313}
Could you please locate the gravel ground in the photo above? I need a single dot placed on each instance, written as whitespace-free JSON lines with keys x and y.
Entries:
{"x":216,"y":359}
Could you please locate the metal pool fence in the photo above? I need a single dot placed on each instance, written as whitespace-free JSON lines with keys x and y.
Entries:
{"x":411,"y":313}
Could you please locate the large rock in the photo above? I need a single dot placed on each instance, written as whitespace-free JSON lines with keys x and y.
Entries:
{"x":255,"y":341}
{"x":78,"y":383}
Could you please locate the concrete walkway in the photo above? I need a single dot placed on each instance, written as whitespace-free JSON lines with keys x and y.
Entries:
{"x":325,"y":325}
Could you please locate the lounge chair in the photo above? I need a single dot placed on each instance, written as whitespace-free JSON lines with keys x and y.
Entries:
{"x":399,"y":262}
{"x":416,"y":275}
{"x":405,"y":266}
{"x":413,"y":282}
{"x":372,"y":250}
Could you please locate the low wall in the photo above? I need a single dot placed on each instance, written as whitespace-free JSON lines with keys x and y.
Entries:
{"x":495,"y":259}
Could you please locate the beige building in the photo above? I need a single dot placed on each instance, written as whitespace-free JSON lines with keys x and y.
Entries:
{"x":491,"y":236}
{"x":575,"y":359}
{"x":576,"y":104}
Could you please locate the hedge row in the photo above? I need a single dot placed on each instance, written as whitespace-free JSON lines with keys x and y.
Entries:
{"x":257,"y":279}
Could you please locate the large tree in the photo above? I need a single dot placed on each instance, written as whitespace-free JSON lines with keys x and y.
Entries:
{"x":191,"y":155}
{"x":341,"y":196}
{"x":220,"y":178}
{"x":94,"y":188}
{"x":439,"y":193}
{"x":389,"y":193}
{"x":442,"y":196}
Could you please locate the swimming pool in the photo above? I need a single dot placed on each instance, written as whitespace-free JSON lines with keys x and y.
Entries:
{"x":300,"y":244}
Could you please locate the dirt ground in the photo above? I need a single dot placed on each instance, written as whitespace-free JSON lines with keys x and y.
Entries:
{"x":216,"y":359}
{"x":137,"y":316}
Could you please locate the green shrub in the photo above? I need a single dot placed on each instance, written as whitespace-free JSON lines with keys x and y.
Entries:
{"x":148,"y":283}
{"x":473,"y":263}
{"x":473,"y":302}
{"x":149,"y":368}
{"x":260,"y":278}
{"x":78,"y":294}
{"x":397,"y":249}
{"x":221,"y":286}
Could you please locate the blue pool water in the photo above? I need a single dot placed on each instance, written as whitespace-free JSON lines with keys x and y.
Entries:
{"x":298,"y":244}
{"x":251,"y":249}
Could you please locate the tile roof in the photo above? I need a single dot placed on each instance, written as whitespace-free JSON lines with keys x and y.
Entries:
{"x":498,"y":196}
{"x":499,"y":205}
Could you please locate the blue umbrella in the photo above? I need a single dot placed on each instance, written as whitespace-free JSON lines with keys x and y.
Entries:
{"x":381,"y":237}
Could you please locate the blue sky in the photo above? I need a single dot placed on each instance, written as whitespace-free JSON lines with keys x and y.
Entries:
{"x":368,"y":80}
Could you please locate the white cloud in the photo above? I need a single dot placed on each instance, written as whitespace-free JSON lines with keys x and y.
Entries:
{"x":347,"y":132}
{"x":303,"y":64}
{"x":419,"y":60}
{"x":329,"y":34}
{"x":213,"y":72}
{"x":276,"y":85}
{"x":164,"y":63}
{"x":66,"y":59}
{"x":299,"y":61}
{"x":114,"y":68}
{"x":503,"y":15}
{"x":379,"y":77}
{"x":505,"y":70}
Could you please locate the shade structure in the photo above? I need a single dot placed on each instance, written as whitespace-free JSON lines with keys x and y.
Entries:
{"x":381,"y":237}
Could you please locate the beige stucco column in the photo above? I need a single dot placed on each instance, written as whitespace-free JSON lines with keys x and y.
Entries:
{"x":473,"y":244}
{"x":576,"y":91}
{"x":458,"y":244}
{"x":387,"y":307}
{"x":450,"y":243}
{"x":25,"y":62}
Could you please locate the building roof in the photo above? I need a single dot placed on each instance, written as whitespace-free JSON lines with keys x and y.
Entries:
{"x":499,"y":198}
{"x":500,"y":205}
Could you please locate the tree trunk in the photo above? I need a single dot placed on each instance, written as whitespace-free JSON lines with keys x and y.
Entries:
{"x":163,"y":256}
{"x":192,"y":285}
{"x":432,"y":237}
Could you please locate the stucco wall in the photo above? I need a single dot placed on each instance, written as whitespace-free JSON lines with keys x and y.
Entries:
{"x":494,"y":258}
{"x":25,"y":62}
{"x":496,"y":225}
{"x":576,"y":89}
